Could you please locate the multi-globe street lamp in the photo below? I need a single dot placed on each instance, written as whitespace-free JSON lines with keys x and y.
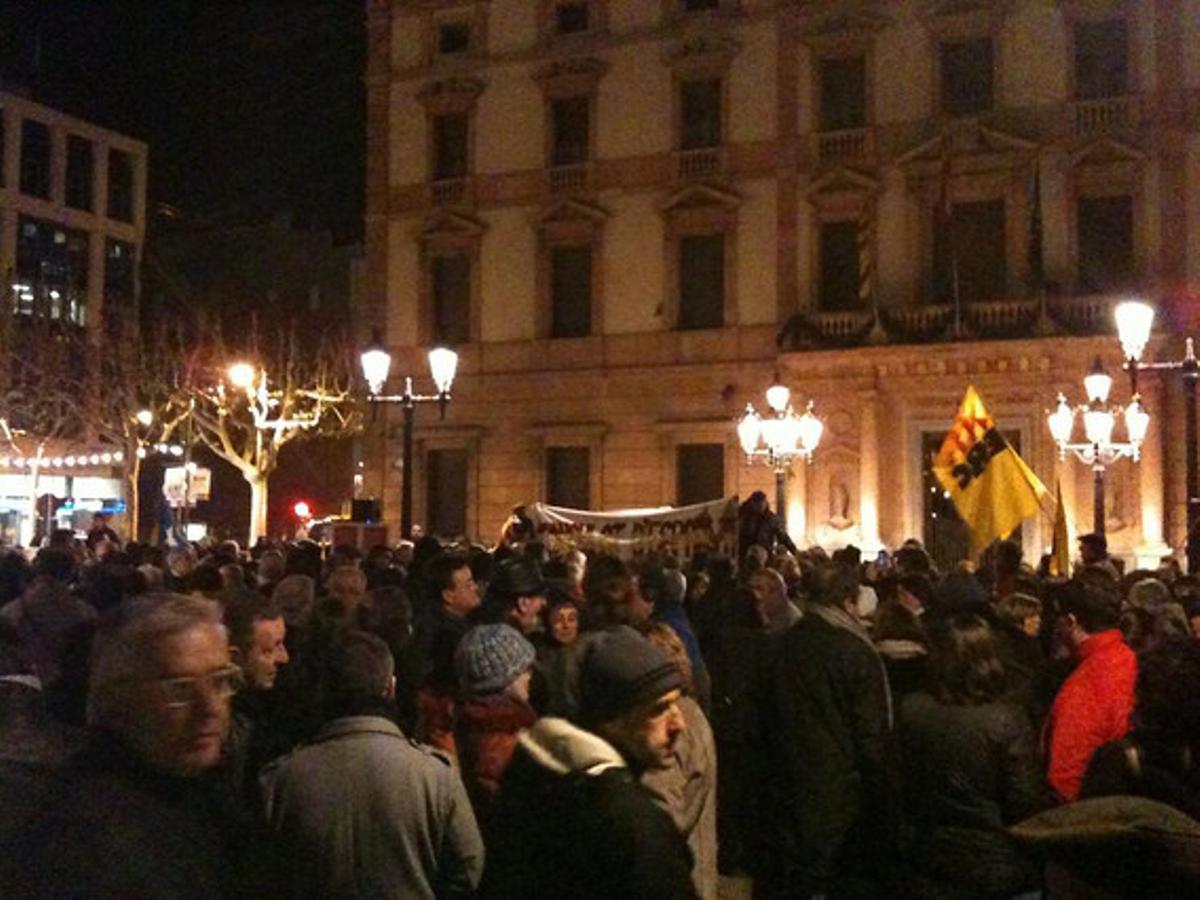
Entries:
{"x":780,"y":438}
{"x":376,"y":363}
{"x":1098,"y":449}
{"x":1134,"y":321}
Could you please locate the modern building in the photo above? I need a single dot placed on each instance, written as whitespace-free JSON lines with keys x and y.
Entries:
{"x":631,"y":217}
{"x":72,"y":222}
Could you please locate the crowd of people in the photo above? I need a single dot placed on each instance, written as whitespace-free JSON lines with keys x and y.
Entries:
{"x":431,"y":720}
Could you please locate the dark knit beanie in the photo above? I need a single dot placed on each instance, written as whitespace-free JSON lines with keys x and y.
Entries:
{"x":621,"y":671}
{"x":489,"y":658}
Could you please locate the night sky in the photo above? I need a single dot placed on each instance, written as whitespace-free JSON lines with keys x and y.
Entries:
{"x":250,"y":108}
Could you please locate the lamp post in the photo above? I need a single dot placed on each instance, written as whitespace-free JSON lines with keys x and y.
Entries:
{"x":1134,"y":321}
{"x":780,"y":438}
{"x":376,"y":363}
{"x":1098,"y":450}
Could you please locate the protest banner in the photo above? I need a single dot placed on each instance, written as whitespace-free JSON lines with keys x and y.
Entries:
{"x":627,"y":533}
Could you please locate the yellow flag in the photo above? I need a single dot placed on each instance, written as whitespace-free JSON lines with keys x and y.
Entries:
{"x":1060,"y":551}
{"x":990,"y":484}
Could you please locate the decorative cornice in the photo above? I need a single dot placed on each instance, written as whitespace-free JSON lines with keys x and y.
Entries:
{"x":572,"y":210}
{"x":446,"y":224}
{"x":695,"y":196}
{"x":570,"y":75}
{"x":701,"y":51}
{"x":1104,"y":151}
{"x":844,"y":178}
{"x":457,"y":92}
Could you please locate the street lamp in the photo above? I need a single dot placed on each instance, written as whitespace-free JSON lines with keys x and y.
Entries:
{"x":1134,"y":320}
{"x":1098,"y":450}
{"x":376,"y":363}
{"x":779,"y":439}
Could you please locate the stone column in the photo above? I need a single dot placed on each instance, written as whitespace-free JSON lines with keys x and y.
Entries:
{"x":796,"y":493}
{"x":1150,"y":478}
{"x":868,"y":474}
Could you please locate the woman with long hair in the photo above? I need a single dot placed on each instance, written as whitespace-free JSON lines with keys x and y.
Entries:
{"x":969,"y":769}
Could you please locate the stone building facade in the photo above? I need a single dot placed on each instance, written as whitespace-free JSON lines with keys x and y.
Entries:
{"x":631,"y":217}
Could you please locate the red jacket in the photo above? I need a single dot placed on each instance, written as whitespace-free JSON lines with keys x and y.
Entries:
{"x":1092,"y":709}
{"x":485,"y":734}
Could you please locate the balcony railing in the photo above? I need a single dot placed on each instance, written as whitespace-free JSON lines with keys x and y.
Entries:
{"x":702,"y":163}
{"x":565,"y":179}
{"x":1102,"y":116}
{"x":850,"y":143}
{"x":935,"y":322}
{"x":448,"y":191}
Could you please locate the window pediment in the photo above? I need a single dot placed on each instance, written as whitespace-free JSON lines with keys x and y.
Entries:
{"x":970,"y":147}
{"x":449,"y":226}
{"x":950,"y":19}
{"x":570,"y":76}
{"x":1107,"y":152}
{"x":701,"y":54}
{"x":842,"y":29}
{"x":573,"y":212}
{"x":701,"y":196}
{"x":843,"y":180}
{"x":449,"y":95}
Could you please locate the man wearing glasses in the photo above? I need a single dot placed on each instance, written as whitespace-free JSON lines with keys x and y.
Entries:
{"x":140,"y":812}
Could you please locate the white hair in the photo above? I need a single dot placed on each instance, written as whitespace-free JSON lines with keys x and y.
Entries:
{"x":124,"y":645}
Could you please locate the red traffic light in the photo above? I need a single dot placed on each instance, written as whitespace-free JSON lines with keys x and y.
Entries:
{"x":302,"y":510}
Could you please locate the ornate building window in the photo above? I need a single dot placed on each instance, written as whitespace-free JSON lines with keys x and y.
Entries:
{"x":1102,"y":63}
{"x":567,"y":19}
{"x":966,"y":60}
{"x":449,"y":299}
{"x":569,"y":87}
{"x":457,"y":31}
{"x":569,"y":270}
{"x":450,"y":112}
{"x":841,"y":45}
{"x":568,"y":477}
{"x":700,"y":65}
{"x":843,"y":244}
{"x":1107,"y":240}
{"x":699,"y":473}
{"x":701,"y":230}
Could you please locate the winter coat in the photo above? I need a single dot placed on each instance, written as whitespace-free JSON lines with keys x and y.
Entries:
{"x":687,"y":792}
{"x":485,"y":734}
{"x":968,"y":773}
{"x":829,"y":707}
{"x":48,"y":617}
{"x":1026,"y":671}
{"x":1116,"y":847}
{"x":113,"y":827}
{"x":363,"y":811}
{"x":1144,"y":766}
{"x":1091,"y":709}
{"x":571,"y":821}
{"x":907,"y":667}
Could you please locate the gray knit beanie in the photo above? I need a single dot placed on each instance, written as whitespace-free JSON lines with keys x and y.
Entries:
{"x":621,"y":671}
{"x":489,"y":658}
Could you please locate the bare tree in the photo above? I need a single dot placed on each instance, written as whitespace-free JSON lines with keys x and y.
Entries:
{"x":139,"y":404}
{"x":250,"y":399}
{"x":41,"y":392}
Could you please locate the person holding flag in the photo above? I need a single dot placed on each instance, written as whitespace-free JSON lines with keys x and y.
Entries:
{"x":991,"y":486}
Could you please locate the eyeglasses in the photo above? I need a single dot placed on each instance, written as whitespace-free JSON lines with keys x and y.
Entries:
{"x":176,"y":693}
